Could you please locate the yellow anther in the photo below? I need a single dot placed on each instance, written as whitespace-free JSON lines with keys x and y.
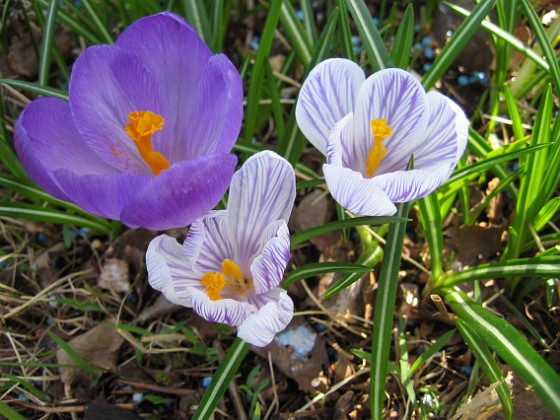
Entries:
{"x":380,"y":131}
{"x":214,"y":283}
{"x":142,"y":125}
{"x":232,"y":277}
{"x":231,"y":270}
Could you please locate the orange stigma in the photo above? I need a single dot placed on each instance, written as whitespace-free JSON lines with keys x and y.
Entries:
{"x":231,"y":276}
{"x":140,"y":129}
{"x":380,"y":131}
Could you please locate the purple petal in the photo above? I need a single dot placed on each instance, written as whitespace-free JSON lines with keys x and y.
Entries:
{"x":276,"y":310}
{"x":262,"y":192}
{"x":176,"y":56}
{"x":102,"y":195}
{"x":395,"y":95}
{"x":357,"y":194}
{"x":168,"y":272}
{"x":224,"y":311}
{"x":46,"y":139}
{"x":181,"y":194}
{"x":215,"y":122}
{"x":208,"y":243}
{"x":405,"y":186}
{"x":108,"y":83}
{"x":327,"y":95}
{"x":340,"y":145}
{"x":268,"y":268}
{"x":446,"y":135}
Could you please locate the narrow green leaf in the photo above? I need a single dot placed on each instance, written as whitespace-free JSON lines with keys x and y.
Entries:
{"x":309,"y":20}
{"x":460,"y":38}
{"x":345,"y":32}
{"x":547,"y":212}
{"x":42,"y":214}
{"x":9,"y":412}
{"x":488,"y":364}
{"x":35,"y":88}
{"x":10,"y":159}
{"x":258,"y":71}
{"x":536,"y":25}
{"x":316,"y":269}
{"x":74,"y":355}
{"x":301,"y":237}
{"x":536,"y":266}
{"x":198,"y":17}
{"x":384,"y":310}
{"x":322,"y":47}
{"x":221,"y":379}
{"x":376,"y":51}
{"x":28,"y":387}
{"x":402,"y":47}
{"x":102,"y":30}
{"x":432,"y":225}
{"x":47,"y":44}
{"x":296,"y":34}
{"x":431,"y":351}
{"x":511,"y":346}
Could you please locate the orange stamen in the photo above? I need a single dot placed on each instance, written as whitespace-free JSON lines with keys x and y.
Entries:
{"x":380,"y":131}
{"x":142,"y":125}
{"x":231,"y":277}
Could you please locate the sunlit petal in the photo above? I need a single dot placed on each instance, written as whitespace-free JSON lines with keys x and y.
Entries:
{"x":328,"y":94}
{"x":224,"y":311}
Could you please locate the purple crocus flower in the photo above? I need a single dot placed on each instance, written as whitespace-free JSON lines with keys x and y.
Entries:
{"x":232,"y":260}
{"x":146,"y":135}
{"x":369,"y":128}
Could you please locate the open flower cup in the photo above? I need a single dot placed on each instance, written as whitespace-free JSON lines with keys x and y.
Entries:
{"x":232,"y":261}
{"x":146,"y":135}
{"x":369,"y":129}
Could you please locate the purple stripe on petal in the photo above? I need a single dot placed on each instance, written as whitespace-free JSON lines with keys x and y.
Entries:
{"x":327,"y":95}
{"x":268,"y":268}
{"x":181,"y":194}
{"x":216,"y":245}
{"x":262,"y":192}
{"x":405,"y":186}
{"x":397,"y":96}
{"x":273,"y":316}
{"x":108,"y":83}
{"x":224,"y":311}
{"x":356,"y":194}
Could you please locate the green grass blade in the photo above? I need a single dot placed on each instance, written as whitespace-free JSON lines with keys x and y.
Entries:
{"x":460,"y":38}
{"x":536,"y":25}
{"x":316,"y":269}
{"x":301,"y":237}
{"x":46,"y":215}
{"x":28,"y":387}
{"x":488,"y":364}
{"x":80,"y":362}
{"x":531,"y":199}
{"x":547,"y":212}
{"x":9,"y":412}
{"x":220,"y":15}
{"x":35,"y":88}
{"x":345,"y":32}
{"x":10,"y":159}
{"x":197,"y":16}
{"x":511,"y":346}
{"x":258,"y":71}
{"x":536,"y":266}
{"x":221,"y":379}
{"x":309,"y":20}
{"x":296,"y":34}
{"x":432,"y":225}
{"x":402,"y":47}
{"x":384,"y":310}
{"x":376,"y":51}
{"x":104,"y":33}
{"x":47,"y":44}
{"x":430,"y":351}
{"x":322,"y":47}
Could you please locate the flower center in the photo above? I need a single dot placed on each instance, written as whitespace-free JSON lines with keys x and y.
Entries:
{"x":231,"y":276}
{"x":140,"y":129}
{"x":380,"y":131}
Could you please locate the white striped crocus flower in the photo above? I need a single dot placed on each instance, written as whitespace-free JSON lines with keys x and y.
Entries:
{"x":369,"y":129}
{"x":232,"y":261}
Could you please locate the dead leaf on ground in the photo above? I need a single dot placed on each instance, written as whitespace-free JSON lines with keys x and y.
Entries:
{"x":114,"y":275}
{"x":98,"y":347}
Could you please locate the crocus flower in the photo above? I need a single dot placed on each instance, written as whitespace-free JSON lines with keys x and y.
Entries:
{"x":369,"y":129}
{"x":232,"y":260}
{"x":146,"y":135}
